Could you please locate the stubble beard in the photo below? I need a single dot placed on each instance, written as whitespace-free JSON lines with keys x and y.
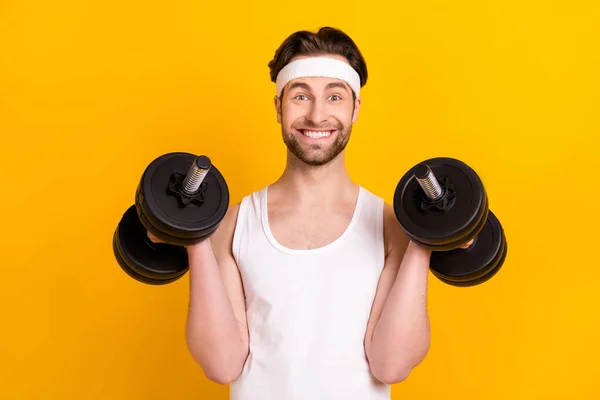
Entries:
{"x":317,"y":154}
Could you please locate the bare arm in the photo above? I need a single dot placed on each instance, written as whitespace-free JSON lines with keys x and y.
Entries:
{"x":216,"y":329}
{"x":398,"y":332}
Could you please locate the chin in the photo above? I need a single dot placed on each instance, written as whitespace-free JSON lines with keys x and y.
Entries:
{"x":316,"y":160}
{"x":316,"y":163}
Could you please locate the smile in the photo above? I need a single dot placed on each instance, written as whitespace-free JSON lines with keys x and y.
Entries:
{"x":316,"y":134}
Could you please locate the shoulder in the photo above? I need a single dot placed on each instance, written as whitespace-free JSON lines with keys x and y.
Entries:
{"x":229,"y":221}
{"x":223,"y":237}
{"x":232,"y":213}
{"x":395,"y":239}
{"x":225,"y":232}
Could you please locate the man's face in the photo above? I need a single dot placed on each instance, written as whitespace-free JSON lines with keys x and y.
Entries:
{"x":316,"y":117}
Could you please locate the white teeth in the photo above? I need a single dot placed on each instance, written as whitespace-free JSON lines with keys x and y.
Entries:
{"x":316,"y":135}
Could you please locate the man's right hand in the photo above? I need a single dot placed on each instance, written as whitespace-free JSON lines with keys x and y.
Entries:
{"x":205,"y":244}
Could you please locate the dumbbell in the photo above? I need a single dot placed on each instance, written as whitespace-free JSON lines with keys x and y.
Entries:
{"x":181,"y":199}
{"x":441,"y":204}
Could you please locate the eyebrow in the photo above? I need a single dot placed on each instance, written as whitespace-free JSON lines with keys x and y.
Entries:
{"x":330,"y":85}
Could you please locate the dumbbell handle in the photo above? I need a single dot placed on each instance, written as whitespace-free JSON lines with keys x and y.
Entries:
{"x":428,"y":182}
{"x":196,"y":175}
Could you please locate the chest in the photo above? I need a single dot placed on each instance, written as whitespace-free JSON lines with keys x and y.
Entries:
{"x":311,"y":227}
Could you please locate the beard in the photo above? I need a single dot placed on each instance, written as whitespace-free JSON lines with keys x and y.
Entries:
{"x":317,"y":154}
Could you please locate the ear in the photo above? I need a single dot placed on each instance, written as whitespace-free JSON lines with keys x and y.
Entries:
{"x":357,"y":103}
{"x":277,"y":104}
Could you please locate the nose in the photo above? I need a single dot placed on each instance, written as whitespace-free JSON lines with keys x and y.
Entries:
{"x":317,"y":113}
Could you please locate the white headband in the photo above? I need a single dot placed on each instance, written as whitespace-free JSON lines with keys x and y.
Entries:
{"x":325,"y":67}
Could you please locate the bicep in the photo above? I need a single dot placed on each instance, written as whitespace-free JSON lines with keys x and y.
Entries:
{"x":396,"y":242}
{"x":222,"y":241}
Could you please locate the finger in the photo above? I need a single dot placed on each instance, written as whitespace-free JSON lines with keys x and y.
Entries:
{"x":468,"y":244}
{"x":153,"y":238}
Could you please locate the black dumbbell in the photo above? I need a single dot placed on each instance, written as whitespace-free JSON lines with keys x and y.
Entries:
{"x":181,"y":199}
{"x":441,"y":204}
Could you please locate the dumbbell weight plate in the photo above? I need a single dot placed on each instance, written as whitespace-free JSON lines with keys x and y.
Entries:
{"x":172,"y":239}
{"x":484,"y":277}
{"x":161,"y":212}
{"x":441,"y":229}
{"x":144,"y":261}
{"x":468,"y":235}
{"x":476,"y":264}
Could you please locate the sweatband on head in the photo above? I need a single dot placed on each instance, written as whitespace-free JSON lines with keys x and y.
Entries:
{"x":313,"y":67}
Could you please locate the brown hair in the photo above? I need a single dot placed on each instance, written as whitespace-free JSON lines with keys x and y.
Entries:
{"x":326,"y":40}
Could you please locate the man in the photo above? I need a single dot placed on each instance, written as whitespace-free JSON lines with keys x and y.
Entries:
{"x":309,"y":289}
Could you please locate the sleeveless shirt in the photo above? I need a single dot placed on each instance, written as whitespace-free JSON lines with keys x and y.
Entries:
{"x":307,"y":310}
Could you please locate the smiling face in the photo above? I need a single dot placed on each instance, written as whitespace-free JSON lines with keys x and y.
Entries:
{"x":316,"y":117}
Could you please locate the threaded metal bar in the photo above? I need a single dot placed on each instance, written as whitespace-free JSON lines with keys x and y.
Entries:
{"x":428,"y":182}
{"x":196,"y":175}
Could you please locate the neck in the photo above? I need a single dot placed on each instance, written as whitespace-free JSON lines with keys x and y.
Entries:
{"x":315,"y":184}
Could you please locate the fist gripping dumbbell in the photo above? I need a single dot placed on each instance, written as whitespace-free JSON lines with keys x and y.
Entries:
{"x":441,"y":204}
{"x":181,"y":199}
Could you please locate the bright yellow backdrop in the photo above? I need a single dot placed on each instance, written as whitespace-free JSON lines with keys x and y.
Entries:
{"x":90,"y":92}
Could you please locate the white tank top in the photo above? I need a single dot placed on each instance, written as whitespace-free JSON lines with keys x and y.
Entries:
{"x":308,"y":309}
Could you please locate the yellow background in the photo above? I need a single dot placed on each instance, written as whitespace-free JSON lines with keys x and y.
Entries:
{"x":91,"y":92}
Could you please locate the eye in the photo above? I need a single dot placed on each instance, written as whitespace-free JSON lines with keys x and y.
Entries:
{"x":300,"y":97}
{"x":335,"y":97}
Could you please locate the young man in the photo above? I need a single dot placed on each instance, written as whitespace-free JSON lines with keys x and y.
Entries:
{"x":310,"y":289}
